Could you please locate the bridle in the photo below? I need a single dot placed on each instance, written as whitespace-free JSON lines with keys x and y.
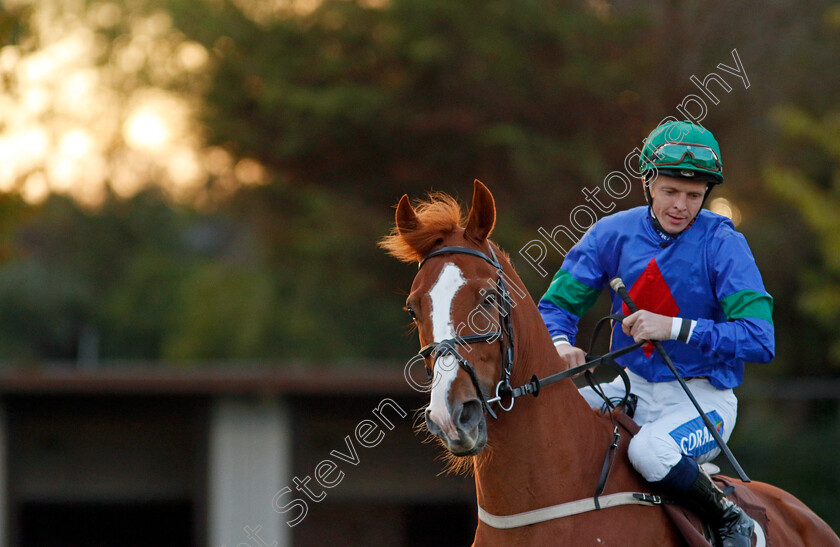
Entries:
{"x":505,"y":336}
{"x":504,"y":389}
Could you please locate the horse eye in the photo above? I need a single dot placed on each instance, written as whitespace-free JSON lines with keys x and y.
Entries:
{"x":489,"y":299}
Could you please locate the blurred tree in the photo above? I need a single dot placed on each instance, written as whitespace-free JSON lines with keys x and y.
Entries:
{"x":374,"y":101}
{"x":352,"y":104}
{"x":116,"y":275}
{"x":62,"y":260}
{"x":813,"y":189}
{"x":317,"y":116}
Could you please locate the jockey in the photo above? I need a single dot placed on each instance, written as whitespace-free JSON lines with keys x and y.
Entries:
{"x":699,"y":291}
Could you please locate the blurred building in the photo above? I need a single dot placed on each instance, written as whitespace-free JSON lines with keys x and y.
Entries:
{"x":221,"y":457}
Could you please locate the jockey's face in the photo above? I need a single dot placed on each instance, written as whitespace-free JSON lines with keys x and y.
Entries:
{"x":676,"y":201}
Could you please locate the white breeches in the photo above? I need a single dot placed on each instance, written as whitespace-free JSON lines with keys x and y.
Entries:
{"x":670,"y":425}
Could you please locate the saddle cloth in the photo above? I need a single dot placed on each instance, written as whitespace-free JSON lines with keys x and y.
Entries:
{"x":690,"y":525}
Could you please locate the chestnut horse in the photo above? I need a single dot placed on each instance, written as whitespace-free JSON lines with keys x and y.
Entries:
{"x":545,"y":450}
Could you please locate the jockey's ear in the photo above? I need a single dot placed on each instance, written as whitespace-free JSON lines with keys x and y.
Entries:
{"x":482,"y":214}
{"x":407,"y":221}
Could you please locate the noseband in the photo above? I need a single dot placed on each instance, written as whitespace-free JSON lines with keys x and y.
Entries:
{"x":505,"y":335}
{"x":503,"y":387}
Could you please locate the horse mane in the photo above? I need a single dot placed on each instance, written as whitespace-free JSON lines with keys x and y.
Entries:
{"x":439,"y":214}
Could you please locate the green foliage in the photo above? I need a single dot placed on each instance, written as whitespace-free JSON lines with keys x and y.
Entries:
{"x":43,"y":310}
{"x":335,"y":292}
{"x":116,"y":273}
{"x":221,"y":312}
{"x":418,"y":94}
{"x":813,"y":189}
{"x":794,"y":449}
{"x":153,"y":281}
{"x":351,"y":105}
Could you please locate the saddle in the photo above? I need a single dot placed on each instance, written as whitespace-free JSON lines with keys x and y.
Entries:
{"x":694,"y":531}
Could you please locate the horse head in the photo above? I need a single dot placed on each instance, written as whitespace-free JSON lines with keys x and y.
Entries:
{"x":456,"y":305}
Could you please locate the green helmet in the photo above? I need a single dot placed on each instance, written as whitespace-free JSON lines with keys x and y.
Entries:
{"x":682,"y":149}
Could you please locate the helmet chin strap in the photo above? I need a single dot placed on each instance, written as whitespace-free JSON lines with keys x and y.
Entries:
{"x":655,"y":221}
{"x":659,"y":229}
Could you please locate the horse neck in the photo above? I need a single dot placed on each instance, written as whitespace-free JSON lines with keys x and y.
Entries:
{"x":547,"y":449}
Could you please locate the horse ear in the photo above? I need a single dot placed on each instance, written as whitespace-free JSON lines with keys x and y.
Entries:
{"x":407,"y":220}
{"x":482,"y":214}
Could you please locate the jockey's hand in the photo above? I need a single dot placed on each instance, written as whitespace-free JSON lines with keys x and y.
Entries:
{"x":571,"y":355}
{"x":646,"y":325}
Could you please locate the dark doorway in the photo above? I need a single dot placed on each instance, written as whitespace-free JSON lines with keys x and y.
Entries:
{"x":351,"y":524}
{"x":161,"y":524}
{"x":441,"y":525}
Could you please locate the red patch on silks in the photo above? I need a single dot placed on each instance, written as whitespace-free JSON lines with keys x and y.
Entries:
{"x":651,"y":293}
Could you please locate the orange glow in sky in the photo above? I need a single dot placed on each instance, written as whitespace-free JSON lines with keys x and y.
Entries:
{"x":76,"y":118}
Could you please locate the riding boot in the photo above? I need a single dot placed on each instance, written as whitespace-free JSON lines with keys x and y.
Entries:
{"x":733,"y":527}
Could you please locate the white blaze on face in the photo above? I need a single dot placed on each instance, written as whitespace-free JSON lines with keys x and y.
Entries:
{"x":442,"y":294}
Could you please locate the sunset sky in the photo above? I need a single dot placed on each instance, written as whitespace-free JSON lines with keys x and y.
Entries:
{"x":87,"y":103}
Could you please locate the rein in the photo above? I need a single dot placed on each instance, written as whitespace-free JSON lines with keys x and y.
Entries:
{"x":505,"y":335}
{"x":503,"y":389}
{"x":533,"y":387}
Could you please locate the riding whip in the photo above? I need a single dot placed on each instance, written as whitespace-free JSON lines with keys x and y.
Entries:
{"x":618,"y":286}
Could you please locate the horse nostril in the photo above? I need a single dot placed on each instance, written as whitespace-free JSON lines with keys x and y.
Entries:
{"x":433,"y":428}
{"x":470,"y":415}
